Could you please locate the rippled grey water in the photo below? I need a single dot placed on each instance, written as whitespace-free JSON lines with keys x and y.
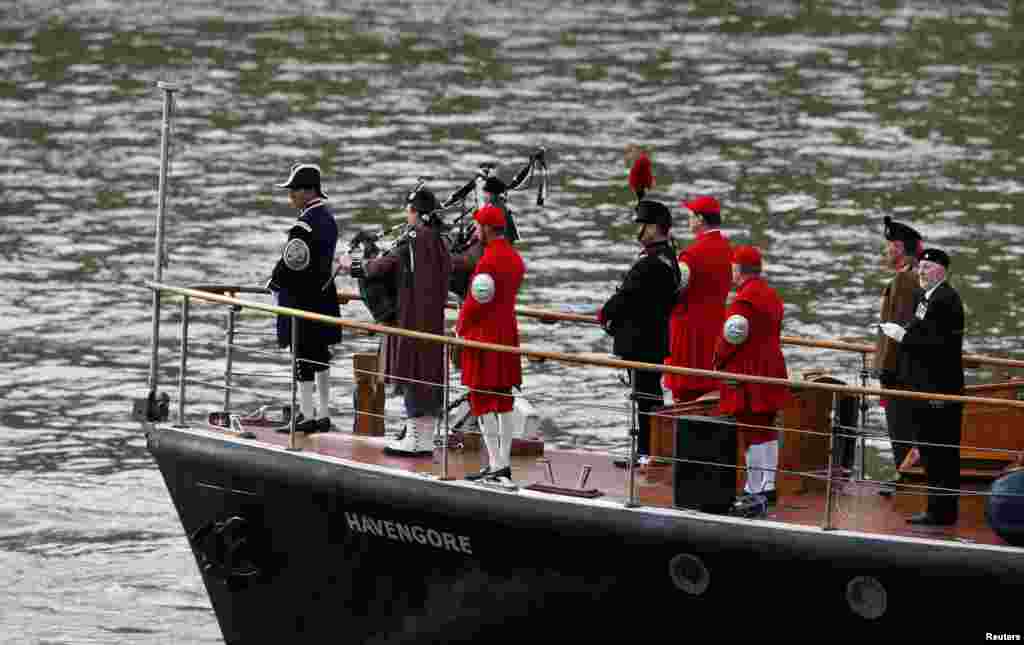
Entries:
{"x":810,"y":120}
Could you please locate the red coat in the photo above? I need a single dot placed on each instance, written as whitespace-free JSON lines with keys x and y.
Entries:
{"x":759,"y":355}
{"x":698,"y":315}
{"x":494,"y":321}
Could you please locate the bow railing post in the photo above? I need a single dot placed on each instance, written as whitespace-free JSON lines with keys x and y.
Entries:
{"x":183,"y":364}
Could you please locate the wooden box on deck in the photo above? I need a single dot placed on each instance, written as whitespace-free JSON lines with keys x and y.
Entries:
{"x":985,"y":426}
{"x":799,"y":452}
{"x":369,"y":417}
{"x":472,"y":442}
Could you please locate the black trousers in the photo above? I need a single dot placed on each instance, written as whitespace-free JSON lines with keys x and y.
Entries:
{"x":649,"y":396}
{"x":312,"y":354}
{"x":939,"y":422}
{"x":899,"y":422}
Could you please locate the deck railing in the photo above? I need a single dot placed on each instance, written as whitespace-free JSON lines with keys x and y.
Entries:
{"x":224,"y":295}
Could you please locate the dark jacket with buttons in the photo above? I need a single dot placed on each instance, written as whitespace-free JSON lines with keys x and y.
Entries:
{"x":302,"y":276}
{"x":637,"y":314}
{"x":931,"y":352}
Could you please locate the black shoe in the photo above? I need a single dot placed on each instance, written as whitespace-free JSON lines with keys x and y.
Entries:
{"x":287,"y":427}
{"x":770,"y":496}
{"x":310,"y":426}
{"x":927,"y":519}
{"x":484,"y":472}
{"x":623,"y":462}
{"x":501,"y":472}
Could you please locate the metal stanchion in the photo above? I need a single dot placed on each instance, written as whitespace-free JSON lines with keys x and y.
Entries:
{"x":827,"y":526}
{"x":184,"y":361}
{"x":861,"y":421}
{"x":444,"y":439}
{"x":229,"y":340}
{"x":633,"y":432}
{"x":292,"y":445}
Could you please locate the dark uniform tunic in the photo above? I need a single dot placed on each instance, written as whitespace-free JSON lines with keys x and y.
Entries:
{"x":931,"y":360}
{"x":302,"y":280}
{"x":637,"y":316}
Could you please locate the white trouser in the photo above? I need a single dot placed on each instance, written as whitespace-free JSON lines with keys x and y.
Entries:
{"x":762,"y":460}
{"x":492,"y":438}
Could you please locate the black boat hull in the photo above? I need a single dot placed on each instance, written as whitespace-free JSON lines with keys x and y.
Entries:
{"x":302,"y":549}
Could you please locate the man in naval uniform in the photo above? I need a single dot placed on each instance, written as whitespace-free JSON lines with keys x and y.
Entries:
{"x":931,"y":360}
{"x":302,"y":280}
{"x":420,"y":267}
{"x":488,"y":315}
{"x":638,"y":312}
{"x":903,"y":244}
{"x":750,"y":343}
{"x":705,"y":281}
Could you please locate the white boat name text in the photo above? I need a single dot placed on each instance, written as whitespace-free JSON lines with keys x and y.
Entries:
{"x":409,"y":533}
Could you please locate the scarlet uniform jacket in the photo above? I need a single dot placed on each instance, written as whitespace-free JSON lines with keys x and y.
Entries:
{"x":302,"y":271}
{"x":637,"y":313}
{"x":759,"y":355}
{"x":931,"y":352}
{"x":699,"y":313}
{"x":494,"y":321}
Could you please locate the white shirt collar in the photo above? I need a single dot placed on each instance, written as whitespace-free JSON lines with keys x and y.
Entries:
{"x":928,"y":294}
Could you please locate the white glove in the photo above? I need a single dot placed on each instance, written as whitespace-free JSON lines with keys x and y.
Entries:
{"x":893,"y":331}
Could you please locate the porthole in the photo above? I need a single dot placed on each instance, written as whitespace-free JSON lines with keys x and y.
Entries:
{"x":866,"y":597}
{"x":689,"y":574}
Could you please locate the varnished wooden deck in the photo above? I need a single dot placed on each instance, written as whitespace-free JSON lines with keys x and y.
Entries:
{"x":856,"y":505}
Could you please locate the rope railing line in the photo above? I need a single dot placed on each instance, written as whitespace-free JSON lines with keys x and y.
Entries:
{"x":577,"y":359}
{"x":921,"y":488}
{"x":547,"y":315}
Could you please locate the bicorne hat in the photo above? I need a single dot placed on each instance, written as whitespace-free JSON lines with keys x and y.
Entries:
{"x":304,"y":175}
{"x":649,"y":211}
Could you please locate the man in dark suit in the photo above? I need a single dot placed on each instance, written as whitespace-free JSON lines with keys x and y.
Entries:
{"x":638,"y":312}
{"x":930,"y":360}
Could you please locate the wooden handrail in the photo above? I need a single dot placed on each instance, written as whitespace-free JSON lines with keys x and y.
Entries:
{"x":576,"y":358}
{"x":547,"y":315}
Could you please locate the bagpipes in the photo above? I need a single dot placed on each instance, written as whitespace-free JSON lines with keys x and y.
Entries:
{"x":460,"y":231}
{"x":381,"y":294}
{"x":459,"y":234}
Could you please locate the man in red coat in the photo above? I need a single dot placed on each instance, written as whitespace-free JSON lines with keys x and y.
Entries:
{"x":750,"y":344}
{"x":488,"y":315}
{"x":705,"y":269}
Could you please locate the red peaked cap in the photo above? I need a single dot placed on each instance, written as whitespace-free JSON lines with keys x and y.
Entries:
{"x":747,"y":256}
{"x":490,"y":215}
{"x":703,"y":205}
{"x":640,"y":175}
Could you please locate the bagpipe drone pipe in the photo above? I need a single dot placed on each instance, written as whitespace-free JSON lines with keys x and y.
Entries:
{"x":459,"y":233}
{"x":380,"y":294}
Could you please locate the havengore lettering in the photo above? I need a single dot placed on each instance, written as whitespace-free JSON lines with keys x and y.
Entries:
{"x":410,"y":533}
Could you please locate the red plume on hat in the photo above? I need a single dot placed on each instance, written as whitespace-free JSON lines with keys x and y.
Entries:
{"x":641,"y":177}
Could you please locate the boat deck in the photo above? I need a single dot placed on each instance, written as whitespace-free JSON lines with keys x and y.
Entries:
{"x":857,"y":505}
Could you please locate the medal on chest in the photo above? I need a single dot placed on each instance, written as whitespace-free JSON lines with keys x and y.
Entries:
{"x":922,"y":309}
